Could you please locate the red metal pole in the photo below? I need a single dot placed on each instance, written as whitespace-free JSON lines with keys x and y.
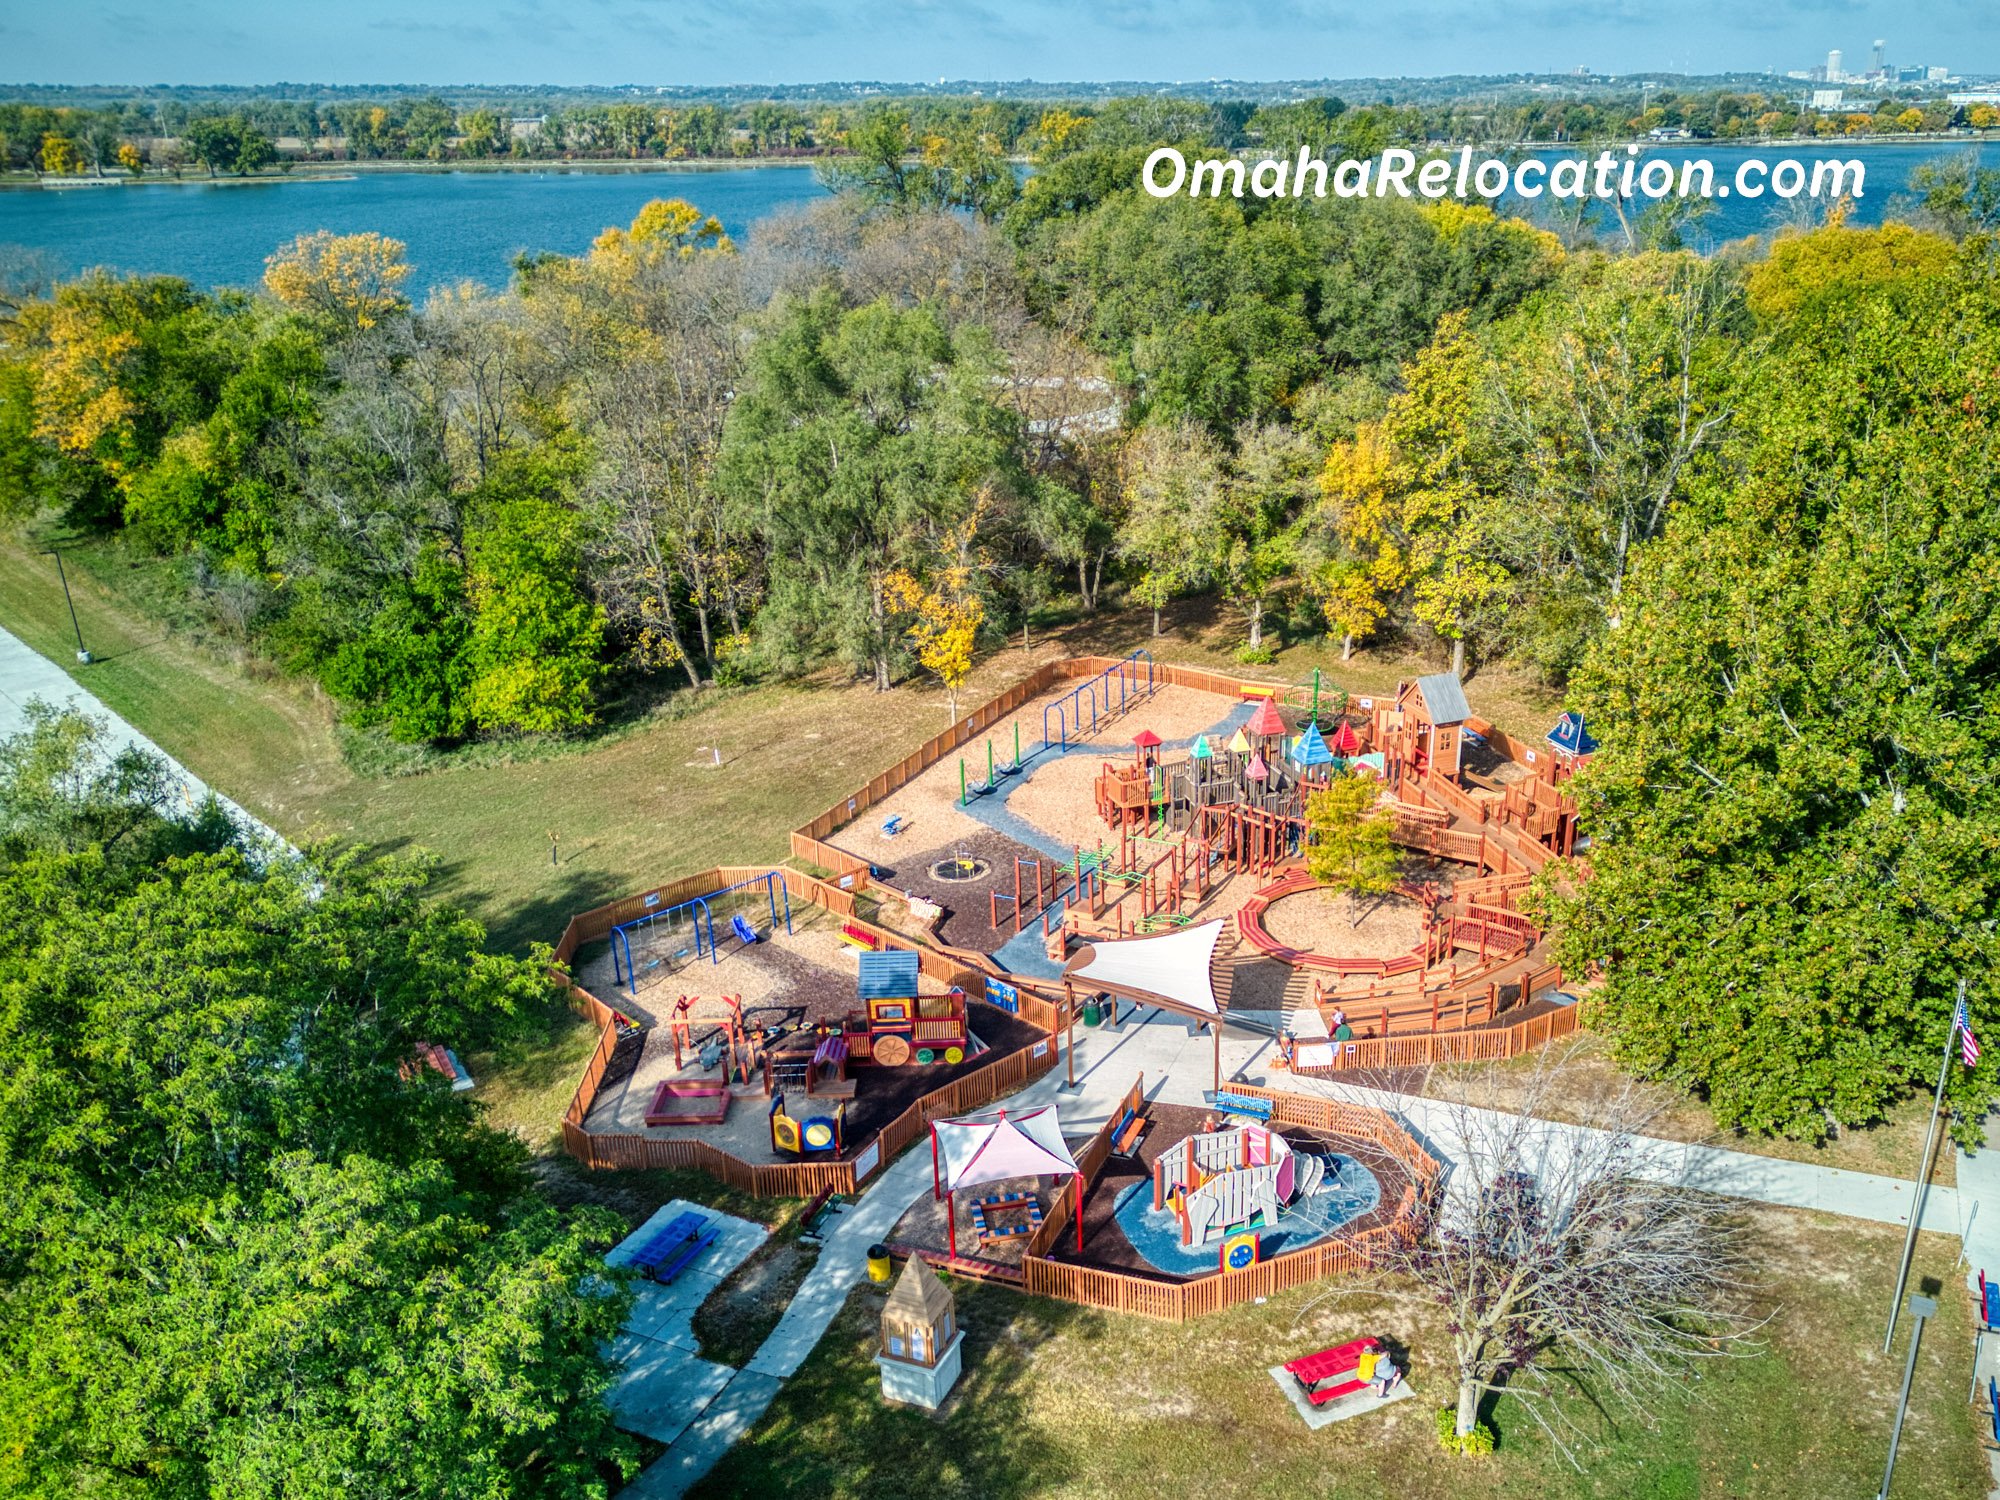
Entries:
{"x":1078,"y":1180}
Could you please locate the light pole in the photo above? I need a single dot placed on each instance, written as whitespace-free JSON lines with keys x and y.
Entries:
{"x":1920,"y":1309}
{"x":82,"y":656}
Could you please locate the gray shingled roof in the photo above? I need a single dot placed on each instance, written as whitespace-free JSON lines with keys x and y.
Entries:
{"x":1444,"y":698}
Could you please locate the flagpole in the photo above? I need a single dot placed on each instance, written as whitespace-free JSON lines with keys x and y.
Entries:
{"x":1923,"y":1171}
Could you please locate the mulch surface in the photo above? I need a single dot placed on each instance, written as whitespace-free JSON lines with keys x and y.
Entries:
{"x":967,"y":921}
{"x":1105,"y":1244}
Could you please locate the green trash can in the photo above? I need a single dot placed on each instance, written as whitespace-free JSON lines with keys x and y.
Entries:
{"x":1093,"y":1013}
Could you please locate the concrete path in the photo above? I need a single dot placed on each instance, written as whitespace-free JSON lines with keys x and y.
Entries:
{"x":24,"y":674}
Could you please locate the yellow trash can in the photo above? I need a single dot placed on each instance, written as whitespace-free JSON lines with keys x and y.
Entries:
{"x":879,"y":1264}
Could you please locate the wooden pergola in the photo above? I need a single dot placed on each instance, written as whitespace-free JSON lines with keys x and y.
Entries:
{"x":1172,"y":970}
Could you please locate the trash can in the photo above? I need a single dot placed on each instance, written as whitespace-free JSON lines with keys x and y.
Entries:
{"x":1093,"y":1013}
{"x":879,"y":1264}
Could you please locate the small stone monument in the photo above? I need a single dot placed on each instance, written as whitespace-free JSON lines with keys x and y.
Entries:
{"x":920,"y":1339}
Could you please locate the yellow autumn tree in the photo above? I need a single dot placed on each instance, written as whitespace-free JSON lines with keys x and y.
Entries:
{"x":944,"y":623}
{"x":130,"y":159}
{"x":61,"y":156}
{"x":1355,"y":579}
{"x":351,"y":280}
{"x":664,"y":228}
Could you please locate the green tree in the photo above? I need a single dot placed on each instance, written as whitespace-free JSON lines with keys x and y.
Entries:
{"x":861,"y":442}
{"x":536,"y":644}
{"x":1792,"y":826}
{"x":1171,"y":477}
{"x":1348,"y":838}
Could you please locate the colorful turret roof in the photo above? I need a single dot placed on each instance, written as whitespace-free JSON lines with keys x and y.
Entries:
{"x":1145,"y":739}
{"x":1239,"y":743}
{"x":1311,"y":749}
{"x":1257,"y":770}
{"x":1201,"y":750}
{"x":1345,"y":740}
{"x":1266,"y":721}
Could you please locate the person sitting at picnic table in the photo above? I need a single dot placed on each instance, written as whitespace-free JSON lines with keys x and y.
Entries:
{"x":1386,"y":1376}
{"x":1343,"y":1032}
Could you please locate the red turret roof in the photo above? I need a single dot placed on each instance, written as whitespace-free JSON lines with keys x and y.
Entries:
{"x":1345,"y":741}
{"x":1266,"y":721}
{"x":1145,"y":739}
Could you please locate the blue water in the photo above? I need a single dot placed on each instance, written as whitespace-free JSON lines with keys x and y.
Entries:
{"x":459,"y":226}
{"x":1157,"y":1236}
{"x":470,"y":225}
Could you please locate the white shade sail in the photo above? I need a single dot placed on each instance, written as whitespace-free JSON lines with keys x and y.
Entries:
{"x":992,"y":1148}
{"x":1171,"y":969}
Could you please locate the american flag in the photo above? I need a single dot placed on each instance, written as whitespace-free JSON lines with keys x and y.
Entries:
{"x":1968,"y":1044}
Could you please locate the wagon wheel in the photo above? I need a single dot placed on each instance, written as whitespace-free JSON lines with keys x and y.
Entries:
{"x":892,"y":1051}
{"x":954,"y":1054}
{"x":925,"y":1056}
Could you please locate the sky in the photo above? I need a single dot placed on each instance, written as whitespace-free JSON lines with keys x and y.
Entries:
{"x":801,"y":41}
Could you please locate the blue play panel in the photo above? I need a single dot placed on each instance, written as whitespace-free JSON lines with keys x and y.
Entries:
{"x":1157,"y":1236}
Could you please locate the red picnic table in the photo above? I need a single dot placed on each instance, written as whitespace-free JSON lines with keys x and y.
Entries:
{"x":1314,"y":1371}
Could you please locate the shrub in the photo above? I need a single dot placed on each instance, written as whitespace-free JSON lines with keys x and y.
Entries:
{"x":1256,"y":656}
{"x":1474,"y":1444}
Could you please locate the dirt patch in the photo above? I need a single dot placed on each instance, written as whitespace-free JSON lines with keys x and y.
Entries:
{"x":739,"y":1315}
{"x":1341,"y":925}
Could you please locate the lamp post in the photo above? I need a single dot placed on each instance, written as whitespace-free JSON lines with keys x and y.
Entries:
{"x":1920,"y":1309}
{"x":82,"y":656}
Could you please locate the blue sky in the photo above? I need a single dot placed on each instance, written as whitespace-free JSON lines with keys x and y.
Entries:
{"x":790,"y":41}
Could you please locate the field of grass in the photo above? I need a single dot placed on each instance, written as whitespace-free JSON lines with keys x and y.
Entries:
{"x":1060,"y":1401}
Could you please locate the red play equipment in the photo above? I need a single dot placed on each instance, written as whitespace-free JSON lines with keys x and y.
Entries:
{"x":725,"y":1015}
{"x":992,"y":1148}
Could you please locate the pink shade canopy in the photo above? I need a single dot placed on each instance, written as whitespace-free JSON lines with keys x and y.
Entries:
{"x":992,"y":1148}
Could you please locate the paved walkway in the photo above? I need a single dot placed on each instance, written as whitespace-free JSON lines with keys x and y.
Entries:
{"x":25,"y":674}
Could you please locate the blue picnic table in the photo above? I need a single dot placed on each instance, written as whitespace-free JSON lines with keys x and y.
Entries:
{"x":674,"y":1248}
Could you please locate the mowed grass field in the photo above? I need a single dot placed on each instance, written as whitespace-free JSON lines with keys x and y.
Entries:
{"x":1060,"y":1401}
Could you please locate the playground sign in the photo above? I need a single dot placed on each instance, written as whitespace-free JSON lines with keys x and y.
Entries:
{"x":868,"y":1160}
{"x":1003,"y":995}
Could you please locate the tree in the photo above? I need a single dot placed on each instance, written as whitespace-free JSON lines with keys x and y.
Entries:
{"x":60,"y":155}
{"x":945,"y":622}
{"x":1254,"y":530}
{"x":860,"y":440}
{"x":309,"y":1269}
{"x":1349,"y":838}
{"x":349,"y":280}
{"x":130,"y":159}
{"x":1359,"y":563}
{"x":1170,"y":478}
{"x":1791,"y":824}
{"x":65,"y":789}
{"x":536,"y":640}
{"x":1571,"y":1261}
{"x":664,"y":227}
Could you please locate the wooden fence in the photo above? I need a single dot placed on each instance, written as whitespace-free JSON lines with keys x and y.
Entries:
{"x":1487,"y":1044}
{"x":1179,"y":1301}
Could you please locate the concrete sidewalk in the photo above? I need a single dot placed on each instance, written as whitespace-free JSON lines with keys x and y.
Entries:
{"x":25,"y":674}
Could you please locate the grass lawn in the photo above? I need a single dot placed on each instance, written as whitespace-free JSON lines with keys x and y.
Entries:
{"x":1889,"y":1148}
{"x":1058,"y":1400}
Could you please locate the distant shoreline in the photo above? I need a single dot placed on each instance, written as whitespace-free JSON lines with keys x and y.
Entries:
{"x":347,"y":171}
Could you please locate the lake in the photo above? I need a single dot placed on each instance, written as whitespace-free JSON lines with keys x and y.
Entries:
{"x":470,"y":225}
{"x":459,"y":226}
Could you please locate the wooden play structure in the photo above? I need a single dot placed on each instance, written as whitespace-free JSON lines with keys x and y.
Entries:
{"x":1219,"y":1182}
{"x":723,"y":1044}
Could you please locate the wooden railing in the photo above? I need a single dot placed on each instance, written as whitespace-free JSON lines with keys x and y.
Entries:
{"x":1486,"y":1044}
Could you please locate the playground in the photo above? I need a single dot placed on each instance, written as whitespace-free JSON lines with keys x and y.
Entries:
{"x":1144,"y":799}
{"x":763,"y":1059}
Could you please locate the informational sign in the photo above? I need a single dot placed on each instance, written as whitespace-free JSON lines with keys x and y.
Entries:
{"x":1040,"y":1049}
{"x":847,"y":882}
{"x":868,"y":1160}
{"x":1366,"y":702}
{"x":652,"y":899}
{"x":1004,"y":995}
{"x":1531,"y":756}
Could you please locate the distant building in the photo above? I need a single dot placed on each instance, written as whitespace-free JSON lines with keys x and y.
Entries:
{"x":1975,"y":96}
{"x":1936,"y":75}
{"x":1833,"y":73}
{"x":1827,"y":98}
{"x":525,"y":125}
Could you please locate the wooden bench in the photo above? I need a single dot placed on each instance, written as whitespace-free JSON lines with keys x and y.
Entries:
{"x":860,"y":937}
{"x":1127,"y":1133}
{"x":818,"y":1210}
{"x":1332,"y":1373}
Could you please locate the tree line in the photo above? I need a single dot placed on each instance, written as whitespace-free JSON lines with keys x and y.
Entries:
{"x":168,"y":134}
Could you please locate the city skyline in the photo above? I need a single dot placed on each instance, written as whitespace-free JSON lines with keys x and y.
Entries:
{"x":641,"y":42}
